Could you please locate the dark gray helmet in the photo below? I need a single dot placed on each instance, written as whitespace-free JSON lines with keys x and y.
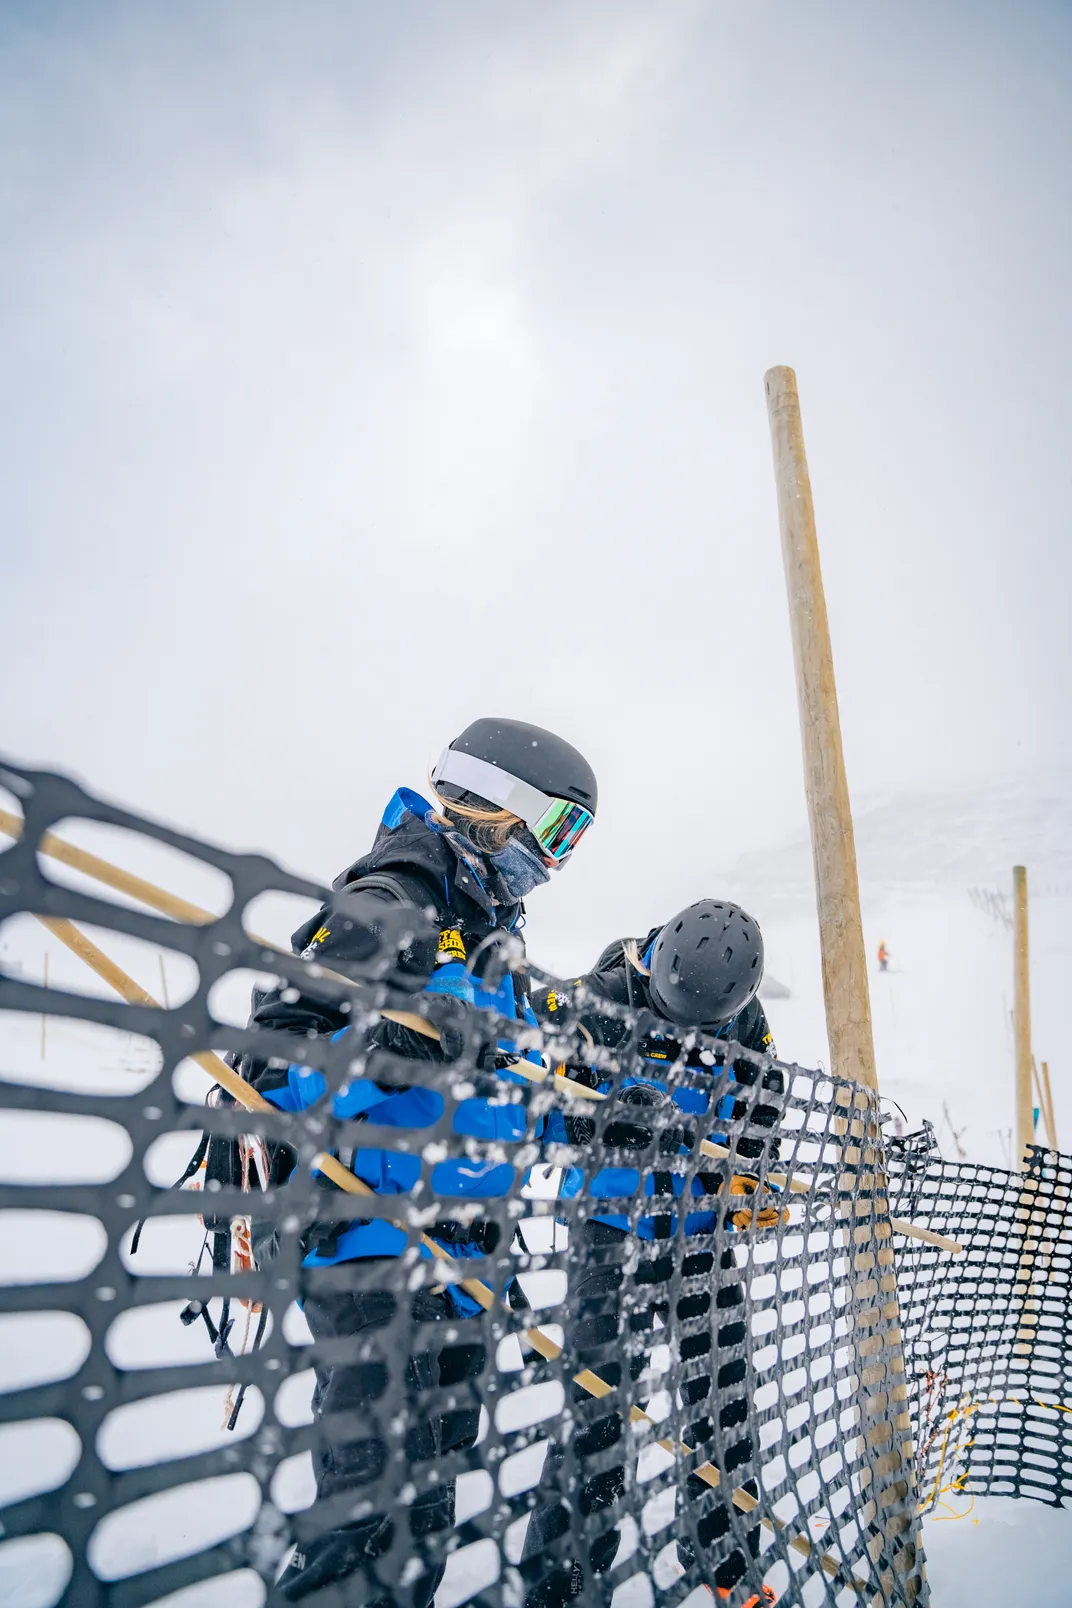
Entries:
{"x":707,"y":964}
{"x":531,"y":755}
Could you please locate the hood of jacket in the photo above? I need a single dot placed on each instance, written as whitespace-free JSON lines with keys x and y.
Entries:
{"x":406,"y":840}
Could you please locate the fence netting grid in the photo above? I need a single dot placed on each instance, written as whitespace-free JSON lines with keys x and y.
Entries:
{"x":987,"y":1338}
{"x":711,"y":1399}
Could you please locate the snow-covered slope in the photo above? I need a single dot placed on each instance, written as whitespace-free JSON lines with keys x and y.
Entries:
{"x":924,"y":842}
{"x":942,"y":1010}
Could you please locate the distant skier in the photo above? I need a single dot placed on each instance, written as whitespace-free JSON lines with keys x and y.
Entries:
{"x":883,"y":956}
{"x":701,"y":969}
{"x":514,"y":800}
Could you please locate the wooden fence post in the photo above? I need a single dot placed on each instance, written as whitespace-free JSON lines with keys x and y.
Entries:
{"x":1021,"y":1017}
{"x":882,"y":1393}
{"x":1047,"y":1103}
{"x":1034,"y":1265}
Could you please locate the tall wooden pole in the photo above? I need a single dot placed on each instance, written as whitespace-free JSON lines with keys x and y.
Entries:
{"x":1021,"y":1016}
{"x":837,"y":888}
{"x":887,"y":1495}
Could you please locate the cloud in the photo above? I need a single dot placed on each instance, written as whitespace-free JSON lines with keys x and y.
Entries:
{"x":368,"y":370}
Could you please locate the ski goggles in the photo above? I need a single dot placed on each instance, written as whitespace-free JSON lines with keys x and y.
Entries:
{"x":557,"y":824}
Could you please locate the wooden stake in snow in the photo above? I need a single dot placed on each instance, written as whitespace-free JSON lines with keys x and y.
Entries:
{"x":1034,"y":1262}
{"x":1021,"y":1017}
{"x":882,"y":1398}
{"x":1047,"y":1099}
{"x":845,"y":990}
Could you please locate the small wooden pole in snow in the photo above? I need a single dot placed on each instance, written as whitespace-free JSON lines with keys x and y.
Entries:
{"x":1021,"y":1016}
{"x":1051,"y":1121}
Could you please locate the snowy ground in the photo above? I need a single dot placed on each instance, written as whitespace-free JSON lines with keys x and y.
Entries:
{"x":943,"y":1038}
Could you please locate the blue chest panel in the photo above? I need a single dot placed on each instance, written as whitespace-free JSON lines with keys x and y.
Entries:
{"x":617,"y":1183}
{"x":388,"y":1172}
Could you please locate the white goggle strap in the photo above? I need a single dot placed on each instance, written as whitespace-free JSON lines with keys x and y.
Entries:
{"x":497,"y":786}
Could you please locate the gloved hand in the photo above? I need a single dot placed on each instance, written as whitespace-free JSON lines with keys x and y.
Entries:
{"x":448,"y":997}
{"x":750,"y":1216}
{"x":450,"y":1015}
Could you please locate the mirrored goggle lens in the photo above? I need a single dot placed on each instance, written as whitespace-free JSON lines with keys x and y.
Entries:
{"x":560,"y":827}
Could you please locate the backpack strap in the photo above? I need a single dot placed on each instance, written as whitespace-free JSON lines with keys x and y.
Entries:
{"x":191,"y":1167}
{"x":407,"y":887}
{"x":399,"y":886}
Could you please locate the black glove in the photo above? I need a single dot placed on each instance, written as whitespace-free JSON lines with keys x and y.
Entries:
{"x":459,"y":1024}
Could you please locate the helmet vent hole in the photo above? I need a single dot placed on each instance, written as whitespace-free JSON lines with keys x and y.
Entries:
{"x":727,"y":955}
{"x":706,"y":939}
{"x":676,"y":967}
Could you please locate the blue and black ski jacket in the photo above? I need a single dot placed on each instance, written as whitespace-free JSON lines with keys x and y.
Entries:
{"x":411,"y":860}
{"x":614,"y":979}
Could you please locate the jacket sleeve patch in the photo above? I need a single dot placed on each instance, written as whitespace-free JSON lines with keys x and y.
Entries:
{"x":451,"y":944}
{"x":318,"y":937}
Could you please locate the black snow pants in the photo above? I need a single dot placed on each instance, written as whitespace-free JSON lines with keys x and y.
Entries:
{"x":732,"y":1388}
{"x":343,"y":1462}
{"x":594,"y":1305}
{"x":593,"y":1326}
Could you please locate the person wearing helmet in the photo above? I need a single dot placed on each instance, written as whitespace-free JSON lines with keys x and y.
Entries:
{"x":701,"y":970}
{"x":511,"y":803}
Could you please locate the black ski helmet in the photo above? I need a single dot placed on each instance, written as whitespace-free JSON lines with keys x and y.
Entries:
{"x":531,"y":755}
{"x":707,"y":963}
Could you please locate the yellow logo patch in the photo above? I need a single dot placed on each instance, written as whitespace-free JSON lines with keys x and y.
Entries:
{"x":451,"y":943}
{"x":552,"y":1001}
{"x":318,"y":937}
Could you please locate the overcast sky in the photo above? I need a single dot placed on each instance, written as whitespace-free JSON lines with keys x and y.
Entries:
{"x":368,"y":368}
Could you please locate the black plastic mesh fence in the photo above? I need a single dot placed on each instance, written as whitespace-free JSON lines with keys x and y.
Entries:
{"x":988,"y":1338}
{"x":710,"y":1399}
